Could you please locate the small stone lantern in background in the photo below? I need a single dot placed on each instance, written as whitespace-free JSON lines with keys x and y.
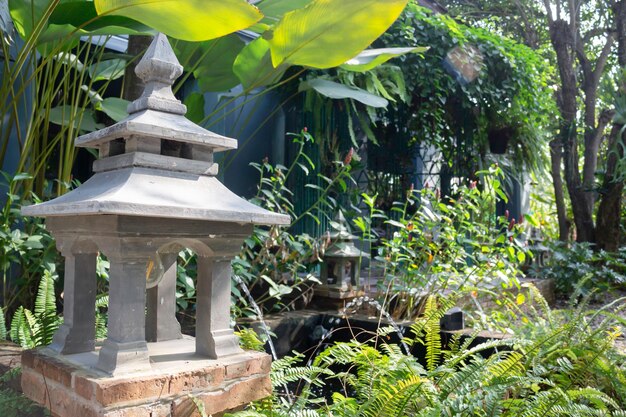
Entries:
{"x":154,"y":192}
{"x":341,"y":264}
{"x":540,"y":253}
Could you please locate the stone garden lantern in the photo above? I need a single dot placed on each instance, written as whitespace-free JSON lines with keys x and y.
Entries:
{"x":154,"y":192}
{"x":341,"y":264}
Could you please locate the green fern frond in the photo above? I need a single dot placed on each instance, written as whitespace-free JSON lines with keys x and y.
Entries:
{"x":309,"y":374}
{"x":3,"y":326}
{"x":102,"y":301}
{"x":45,"y":311}
{"x":427,"y":329}
{"x":45,"y":302}
{"x":30,"y":329}
{"x":511,"y":365}
{"x":20,"y":329}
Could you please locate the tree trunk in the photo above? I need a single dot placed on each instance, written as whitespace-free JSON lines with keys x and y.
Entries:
{"x":608,"y":218}
{"x":563,"y":43}
{"x":559,"y":198}
{"x":133,"y":86}
{"x":609,"y":211}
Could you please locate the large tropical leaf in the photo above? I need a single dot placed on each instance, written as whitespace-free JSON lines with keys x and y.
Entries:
{"x":253,"y":65}
{"x":195,"y":107}
{"x":110,"y":69}
{"x":326,"y":33}
{"x":26,"y":14}
{"x":335,"y":90}
{"x":79,"y":18}
{"x":192,"y":20}
{"x":65,"y":115}
{"x":114,"y":107}
{"x":274,"y":10}
{"x":371,"y":58}
{"x":211,"y":61}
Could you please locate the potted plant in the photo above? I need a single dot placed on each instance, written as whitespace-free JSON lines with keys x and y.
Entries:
{"x":499,"y":137}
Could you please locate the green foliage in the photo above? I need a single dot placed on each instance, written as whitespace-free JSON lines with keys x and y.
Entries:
{"x":435,"y":244}
{"x":202,"y":19}
{"x":30,"y":329}
{"x":488,"y":81}
{"x":27,"y":252}
{"x":274,"y":263}
{"x":576,"y":266}
{"x":3,"y":326}
{"x":556,"y":367}
{"x":249,"y":340}
{"x":186,"y":273}
{"x":12,"y":403}
{"x":56,"y":87}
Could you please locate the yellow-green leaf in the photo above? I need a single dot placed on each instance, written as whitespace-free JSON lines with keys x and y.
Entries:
{"x":192,"y":20}
{"x":327,"y":33}
{"x":253,"y":66}
{"x":273,"y":10}
{"x":211,"y":61}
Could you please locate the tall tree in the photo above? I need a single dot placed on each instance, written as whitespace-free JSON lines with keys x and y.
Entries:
{"x":581,"y":36}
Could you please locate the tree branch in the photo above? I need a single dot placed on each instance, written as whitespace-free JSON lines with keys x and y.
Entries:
{"x":592,"y":147}
{"x":546,"y":5}
{"x":602,"y":59}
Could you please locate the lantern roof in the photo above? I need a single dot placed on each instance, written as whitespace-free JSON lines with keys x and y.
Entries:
{"x":341,"y":229}
{"x":342,"y":240}
{"x":156,"y":162}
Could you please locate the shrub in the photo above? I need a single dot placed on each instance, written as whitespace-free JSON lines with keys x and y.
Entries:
{"x":577,"y":265}
{"x":557,"y":366}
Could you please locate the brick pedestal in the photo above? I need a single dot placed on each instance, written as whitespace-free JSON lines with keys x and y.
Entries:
{"x":70,"y":385}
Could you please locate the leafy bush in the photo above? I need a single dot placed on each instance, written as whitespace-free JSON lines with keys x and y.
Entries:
{"x":27,"y":251}
{"x":557,"y":366}
{"x":578,"y":266}
{"x":274,"y":263}
{"x":437,"y":244}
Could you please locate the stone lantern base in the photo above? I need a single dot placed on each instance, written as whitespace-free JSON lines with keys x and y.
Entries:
{"x":70,"y":386}
{"x":328,"y":296}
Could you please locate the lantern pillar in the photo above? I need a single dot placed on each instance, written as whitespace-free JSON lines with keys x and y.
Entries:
{"x":78,"y":332}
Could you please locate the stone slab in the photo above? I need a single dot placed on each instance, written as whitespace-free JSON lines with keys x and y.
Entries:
{"x":157,"y":125}
{"x":149,"y":192}
{"x":337,"y":293}
{"x":69,"y":385}
{"x":148,"y":160}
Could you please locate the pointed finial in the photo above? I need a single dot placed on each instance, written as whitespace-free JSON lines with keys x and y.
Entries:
{"x":341,"y":228}
{"x":158,"y":69}
{"x":159,"y":63}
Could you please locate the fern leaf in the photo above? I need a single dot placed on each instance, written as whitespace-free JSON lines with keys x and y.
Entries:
{"x":20,"y":329}
{"x":3,"y":327}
